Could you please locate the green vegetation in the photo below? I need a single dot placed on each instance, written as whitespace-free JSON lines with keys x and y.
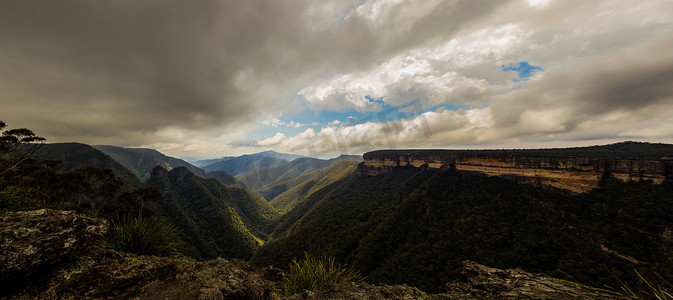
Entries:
{"x":272,"y":181}
{"x":15,"y":198}
{"x":65,"y":157}
{"x":315,"y":272}
{"x":646,"y":289}
{"x":27,"y":183}
{"x":17,"y":143}
{"x":313,"y":182}
{"x":143,"y":235}
{"x":216,"y":220}
{"x":411,"y":226}
{"x":241,"y":165}
{"x":142,"y":161}
{"x":416,"y":227}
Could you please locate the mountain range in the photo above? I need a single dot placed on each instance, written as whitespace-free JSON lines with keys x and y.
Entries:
{"x":241,"y":165}
{"x":412,"y":216}
{"x":273,"y":181}
{"x":141,"y":161}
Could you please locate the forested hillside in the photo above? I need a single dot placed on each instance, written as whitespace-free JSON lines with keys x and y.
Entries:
{"x":415,"y":226}
{"x":272,"y":181}
{"x":70,"y":156}
{"x":241,"y":165}
{"x":141,"y":161}
{"x":216,"y":220}
{"x":304,"y":186}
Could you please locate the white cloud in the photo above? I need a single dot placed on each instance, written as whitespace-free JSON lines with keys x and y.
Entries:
{"x":537,"y":3}
{"x":274,"y":140}
{"x":462,"y":71}
{"x":275,"y":122}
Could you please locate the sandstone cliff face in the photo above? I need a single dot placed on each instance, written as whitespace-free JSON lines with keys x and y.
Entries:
{"x":570,"y":173}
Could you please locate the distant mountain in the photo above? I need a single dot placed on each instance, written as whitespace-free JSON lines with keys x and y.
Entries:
{"x":416,"y":225}
{"x":285,"y":156}
{"x":76,"y":155}
{"x":241,"y":165}
{"x":216,"y":220}
{"x":205,"y":162}
{"x":273,"y":181}
{"x":143,"y":160}
{"x":273,"y":154}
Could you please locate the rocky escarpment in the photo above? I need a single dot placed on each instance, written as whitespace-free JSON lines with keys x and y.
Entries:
{"x":56,"y":251}
{"x":575,"y":174}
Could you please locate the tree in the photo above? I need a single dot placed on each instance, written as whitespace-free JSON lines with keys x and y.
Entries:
{"x":16,"y":146}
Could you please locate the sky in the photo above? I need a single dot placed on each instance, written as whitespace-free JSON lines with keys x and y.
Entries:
{"x":203,"y":79}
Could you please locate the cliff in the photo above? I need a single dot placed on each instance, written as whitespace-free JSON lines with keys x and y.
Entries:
{"x":551,"y":167}
{"x":48,"y":254}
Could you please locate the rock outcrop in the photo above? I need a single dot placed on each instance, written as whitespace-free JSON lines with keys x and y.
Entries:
{"x":78,"y":269}
{"x":478,"y":282}
{"x":575,"y":174}
{"x":35,"y":241}
{"x":482,"y":282}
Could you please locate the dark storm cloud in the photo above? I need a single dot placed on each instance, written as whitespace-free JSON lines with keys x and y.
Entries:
{"x":130,"y":65}
{"x":637,"y":82}
{"x":119,"y":71}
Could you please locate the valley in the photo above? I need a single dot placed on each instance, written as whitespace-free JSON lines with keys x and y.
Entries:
{"x":589,"y":215}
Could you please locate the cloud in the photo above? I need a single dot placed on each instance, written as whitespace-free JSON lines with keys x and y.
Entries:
{"x":626,"y":94}
{"x":196,"y":79}
{"x":274,"y":140}
{"x":122,"y":71}
{"x":275,"y":122}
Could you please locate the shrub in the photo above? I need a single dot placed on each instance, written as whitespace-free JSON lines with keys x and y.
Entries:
{"x":314,"y":273}
{"x":145,"y":236}
{"x":14,"y":198}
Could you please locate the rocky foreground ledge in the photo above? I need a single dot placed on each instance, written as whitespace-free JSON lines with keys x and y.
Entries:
{"x":49,"y":254}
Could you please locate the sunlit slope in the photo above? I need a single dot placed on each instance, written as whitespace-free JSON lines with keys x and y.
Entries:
{"x":273,"y":181}
{"x":216,"y":220}
{"x":313,"y":182}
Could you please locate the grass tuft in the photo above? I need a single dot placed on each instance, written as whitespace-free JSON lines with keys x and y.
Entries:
{"x":314,"y":273}
{"x":653,"y":291}
{"x":145,"y":236}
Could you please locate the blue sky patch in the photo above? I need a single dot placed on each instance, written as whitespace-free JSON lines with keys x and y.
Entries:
{"x":524,"y":69}
{"x":319,"y":119}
